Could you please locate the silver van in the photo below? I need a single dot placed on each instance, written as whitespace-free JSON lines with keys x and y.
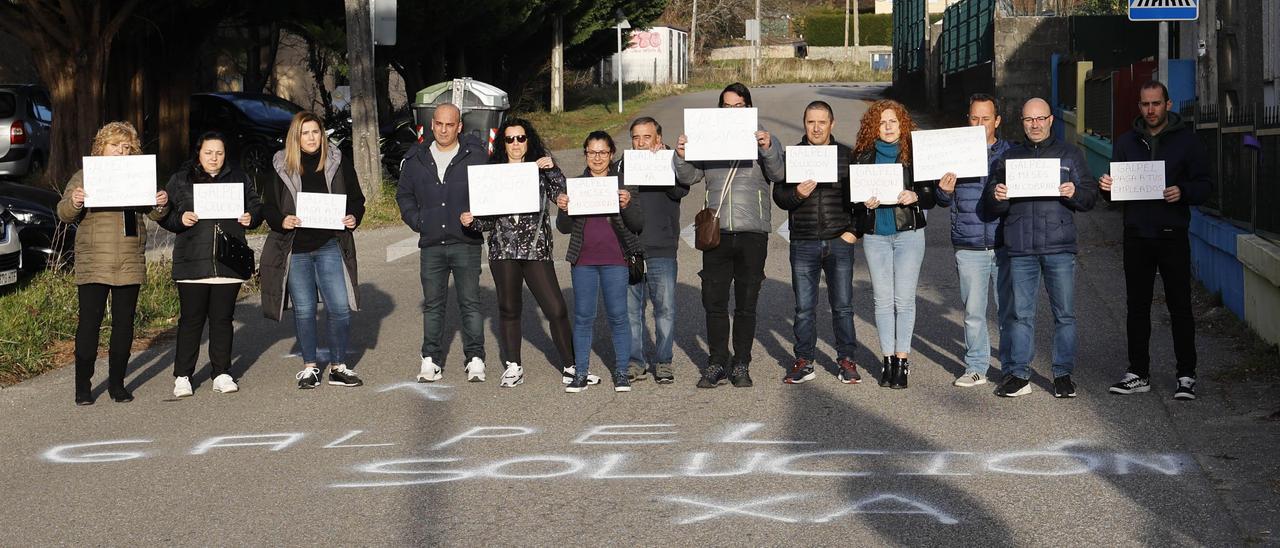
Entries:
{"x":25,"y":115}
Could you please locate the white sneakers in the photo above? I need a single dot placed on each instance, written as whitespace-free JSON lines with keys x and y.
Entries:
{"x":512,"y":376}
{"x":182,"y":387}
{"x":429,"y":371}
{"x":223,"y":384}
{"x":969,"y":379}
{"x":475,"y":370}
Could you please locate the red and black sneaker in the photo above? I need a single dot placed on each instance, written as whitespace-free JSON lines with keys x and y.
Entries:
{"x":801,"y":371}
{"x":849,"y":371}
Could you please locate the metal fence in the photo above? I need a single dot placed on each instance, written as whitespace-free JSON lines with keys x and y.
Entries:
{"x":1244,"y":161}
{"x":1067,"y":84}
{"x":1099,"y":95}
{"x":909,"y":31}
{"x":967,"y":35}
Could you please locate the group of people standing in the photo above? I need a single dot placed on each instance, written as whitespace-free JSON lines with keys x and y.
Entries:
{"x":1006,"y":243}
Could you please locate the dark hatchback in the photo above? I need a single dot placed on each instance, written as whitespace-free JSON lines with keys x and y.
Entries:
{"x":254,"y":124}
{"x":46,"y":241}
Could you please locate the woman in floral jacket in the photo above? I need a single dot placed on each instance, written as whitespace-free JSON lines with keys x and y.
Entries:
{"x":520,"y":252}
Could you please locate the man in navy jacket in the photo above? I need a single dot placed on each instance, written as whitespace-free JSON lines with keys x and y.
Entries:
{"x":432,"y":194}
{"x":1155,"y":236}
{"x":973,"y":234}
{"x":1039,"y":234}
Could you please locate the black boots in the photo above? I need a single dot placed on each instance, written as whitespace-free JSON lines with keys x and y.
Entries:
{"x":894,"y":372}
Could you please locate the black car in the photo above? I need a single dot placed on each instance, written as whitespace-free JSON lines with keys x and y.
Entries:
{"x":46,"y":241}
{"x":255,"y":125}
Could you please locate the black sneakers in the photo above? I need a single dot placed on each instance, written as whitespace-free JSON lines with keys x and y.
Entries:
{"x":339,"y":375}
{"x":739,"y":376}
{"x":801,"y":371}
{"x":1131,"y":384}
{"x":1013,"y":387}
{"x":622,"y":382}
{"x":1063,"y":387}
{"x":849,"y":371}
{"x":713,"y":375}
{"x":578,"y":384}
{"x":308,"y":378}
{"x":1186,"y":389}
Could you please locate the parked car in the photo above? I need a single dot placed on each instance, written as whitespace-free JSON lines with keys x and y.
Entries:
{"x":45,"y":241}
{"x":254,"y":123}
{"x":10,"y":249}
{"x":25,"y":116}
{"x":394,"y":139}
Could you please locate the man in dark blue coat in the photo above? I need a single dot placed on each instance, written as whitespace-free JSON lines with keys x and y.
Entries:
{"x":973,"y":234}
{"x":432,"y":194}
{"x":1039,"y":234}
{"x":1155,"y":236}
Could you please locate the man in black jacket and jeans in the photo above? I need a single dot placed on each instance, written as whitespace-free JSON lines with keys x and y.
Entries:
{"x":820,"y":220}
{"x":1155,"y":236}
{"x":432,"y":194}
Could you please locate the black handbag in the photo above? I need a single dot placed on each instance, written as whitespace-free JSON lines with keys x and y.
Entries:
{"x":635,"y":269}
{"x":232,"y":253}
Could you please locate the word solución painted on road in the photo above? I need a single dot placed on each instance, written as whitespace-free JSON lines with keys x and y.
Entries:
{"x":640,"y":453}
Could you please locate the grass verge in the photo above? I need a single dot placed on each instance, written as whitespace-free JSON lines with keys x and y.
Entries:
{"x":37,"y":331}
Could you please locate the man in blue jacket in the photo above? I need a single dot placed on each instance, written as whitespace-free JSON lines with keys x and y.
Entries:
{"x":1039,"y":234}
{"x":973,"y":234}
{"x":1155,"y":236}
{"x":432,"y":194}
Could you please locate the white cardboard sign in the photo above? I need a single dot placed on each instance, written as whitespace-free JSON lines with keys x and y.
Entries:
{"x":880,"y":181}
{"x":959,"y":150}
{"x":1032,"y":177}
{"x":321,"y":210}
{"x":1137,"y":180}
{"x":816,"y":163}
{"x":720,"y":134}
{"x":218,"y":200}
{"x":120,"y":181}
{"x":592,"y":195}
{"x":646,"y":168}
{"x":504,"y":189}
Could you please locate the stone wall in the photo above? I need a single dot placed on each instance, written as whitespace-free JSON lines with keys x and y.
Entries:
{"x":1023,"y":50}
{"x":859,"y":54}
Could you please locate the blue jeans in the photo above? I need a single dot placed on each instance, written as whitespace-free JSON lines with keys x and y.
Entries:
{"x":809,"y":260}
{"x":894,"y":263}
{"x":436,"y":262}
{"x":659,"y":286}
{"x":979,"y":271}
{"x":1059,"y":281}
{"x":588,"y":283}
{"x":320,"y":270}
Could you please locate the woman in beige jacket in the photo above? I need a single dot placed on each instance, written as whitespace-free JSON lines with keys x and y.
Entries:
{"x":110,"y":260}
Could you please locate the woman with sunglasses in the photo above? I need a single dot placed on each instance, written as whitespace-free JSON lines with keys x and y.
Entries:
{"x":599,"y":248}
{"x":111,"y":245}
{"x":520,"y":253}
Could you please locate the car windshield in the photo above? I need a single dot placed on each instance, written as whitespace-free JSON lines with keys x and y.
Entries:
{"x":8,"y":104}
{"x":266,"y":108}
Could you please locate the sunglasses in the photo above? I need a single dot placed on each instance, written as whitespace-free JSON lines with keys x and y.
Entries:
{"x":513,"y":138}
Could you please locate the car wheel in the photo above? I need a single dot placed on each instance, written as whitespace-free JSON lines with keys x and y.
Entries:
{"x":256,"y":163}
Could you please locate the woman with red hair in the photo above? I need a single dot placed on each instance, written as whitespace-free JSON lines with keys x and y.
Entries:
{"x":892,"y":231}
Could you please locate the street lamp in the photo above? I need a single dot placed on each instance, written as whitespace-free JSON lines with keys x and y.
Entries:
{"x":622,"y":24}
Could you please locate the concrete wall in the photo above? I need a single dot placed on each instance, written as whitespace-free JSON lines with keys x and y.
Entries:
{"x":1261,"y":261}
{"x":1024,"y":47}
{"x":858,"y":54}
{"x":745,"y":52}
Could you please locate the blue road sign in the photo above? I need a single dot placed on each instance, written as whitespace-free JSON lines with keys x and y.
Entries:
{"x":1164,"y":10}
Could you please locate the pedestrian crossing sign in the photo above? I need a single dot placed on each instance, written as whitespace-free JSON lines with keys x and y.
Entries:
{"x":1164,"y":10}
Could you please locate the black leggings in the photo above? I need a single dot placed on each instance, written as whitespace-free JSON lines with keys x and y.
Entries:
{"x":93,"y":306}
{"x":540,"y":276}
{"x":216,"y":304}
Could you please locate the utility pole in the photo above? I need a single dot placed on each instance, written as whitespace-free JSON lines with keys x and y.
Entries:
{"x":364,"y":109}
{"x":846,"y":24}
{"x":755,"y":59}
{"x":856,"y":41}
{"x":693,"y":35}
{"x":557,"y":65}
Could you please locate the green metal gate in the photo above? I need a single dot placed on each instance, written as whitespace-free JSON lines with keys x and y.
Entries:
{"x":909,"y":28}
{"x":967,"y":35}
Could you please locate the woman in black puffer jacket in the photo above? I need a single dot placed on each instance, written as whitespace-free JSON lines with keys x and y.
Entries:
{"x":207,"y":288}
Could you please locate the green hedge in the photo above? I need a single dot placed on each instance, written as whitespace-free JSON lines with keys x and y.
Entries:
{"x":826,"y":28}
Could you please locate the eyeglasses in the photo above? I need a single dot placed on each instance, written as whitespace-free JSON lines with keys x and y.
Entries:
{"x":597,"y":153}
{"x":513,"y":138}
{"x":1038,"y":119}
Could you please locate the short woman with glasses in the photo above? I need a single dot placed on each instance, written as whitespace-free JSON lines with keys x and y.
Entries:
{"x":520,"y":254}
{"x":599,"y":248}
{"x":300,"y":262}
{"x":892,"y":235}
{"x":111,"y":245}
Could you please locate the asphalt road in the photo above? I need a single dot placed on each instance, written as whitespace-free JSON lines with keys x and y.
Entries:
{"x":457,"y":463}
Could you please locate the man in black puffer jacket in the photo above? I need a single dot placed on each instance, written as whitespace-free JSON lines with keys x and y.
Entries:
{"x":821,"y":224}
{"x":1039,"y":234}
{"x":1155,"y":236}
